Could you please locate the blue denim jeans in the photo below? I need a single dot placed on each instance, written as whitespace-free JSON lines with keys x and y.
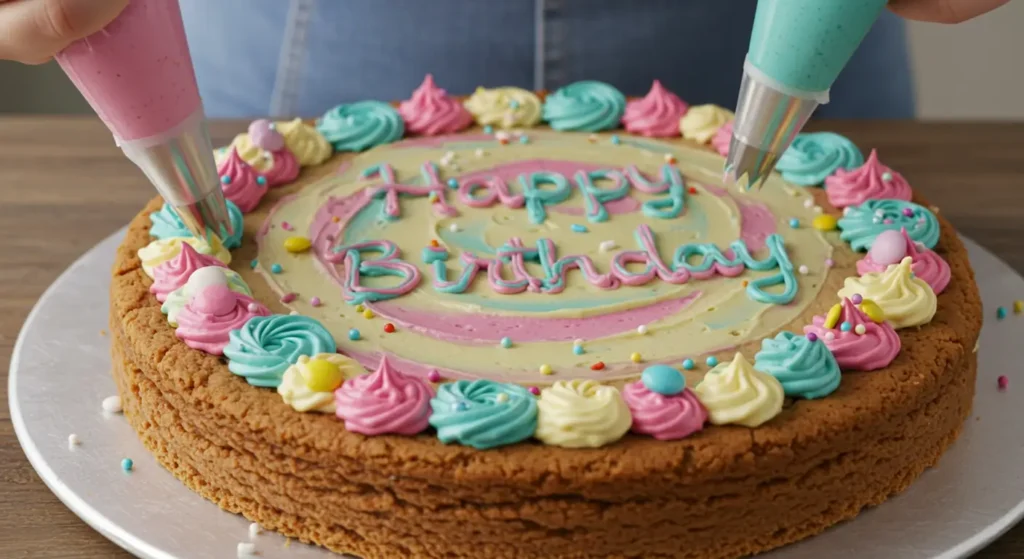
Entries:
{"x":301,"y":57}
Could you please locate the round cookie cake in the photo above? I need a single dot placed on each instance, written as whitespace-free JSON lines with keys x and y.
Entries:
{"x":518,"y":326}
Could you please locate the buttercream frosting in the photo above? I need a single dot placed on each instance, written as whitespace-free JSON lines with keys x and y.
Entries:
{"x":926,"y":264}
{"x":813,"y":156}
{"x":804,"y":367}
{"x":870,"y":181}
{"x":167,"y":223}
{"x":197,"y":281}
{"x":264,"y":348}
{"x":861,"y":224}
{"x":295,"y":389}
{"x":241,"y":183}
{"x":254,"y":155}
{"x":581,"y":414}
{"x":305,"y":142}
{"x":283,"y":168}
{"x":361,"y":125}
{"x":431,"y":111}
{"x":874,"y":349}
{"x":737,"y":393}
{"x":207,"y":320}
{"x":664,"y":417}
{"x":586,"y":106}
{"x":905,"y":299}
{"x":722,"y":139}
{"x":505,"y":107}
{"x":385,"y":401}
{"x":174,"y":273}
{"x":483,"y":414}
{"x":702,"y":122}
{"x":657,"y":114}
{"x":162,"y":250}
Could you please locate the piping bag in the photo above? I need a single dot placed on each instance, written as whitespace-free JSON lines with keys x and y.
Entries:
{"x":137,"y":75}
{"x":797,"y":49}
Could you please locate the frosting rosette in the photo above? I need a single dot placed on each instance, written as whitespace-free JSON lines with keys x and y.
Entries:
{"x":870,"y":181}
{"x":926,"y":264}
{"x":814,"y":156}
{"x":805,"y":367}
{"x":264,"y":348}
{"x":197,"y":281}
{"x":736,"y":393}
{"x":361,"y":125}
{"x":283,"y":168}
{"x":664,"y":417}
{"x":856,"y":349}
{"x":251,"y":153}
{"x":206,"y":322}
{"x":162,"y":250}
{"x":722,"y":139}
{"x":174,"y":273}
{"x":385,"y":401}
{"x":585,"y":106}
{"x":483,"y":414}
{"x":581,"y":414}
{"x":656,"y":115}
{"x":304,"y":141}
{"x":309,"y":384}
{"x":905,"y":299}
{"x":860,"y":225}
{"x":431,"y":111}
{"x":702,"y":122}
{"x":166,"y":224}
{"x":505,"y":107}
{"x":241,"y":183}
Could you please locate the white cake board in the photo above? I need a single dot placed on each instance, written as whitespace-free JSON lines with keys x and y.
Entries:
{"x":60,"y":372}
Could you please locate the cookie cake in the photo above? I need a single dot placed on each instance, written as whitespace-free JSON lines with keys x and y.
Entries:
{"x":523,"y":325}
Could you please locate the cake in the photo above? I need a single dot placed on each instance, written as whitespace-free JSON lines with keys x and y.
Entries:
{"x":527,"y":325}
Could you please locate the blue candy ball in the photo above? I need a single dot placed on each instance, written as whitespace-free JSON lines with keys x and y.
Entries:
{"x":663,"y":379}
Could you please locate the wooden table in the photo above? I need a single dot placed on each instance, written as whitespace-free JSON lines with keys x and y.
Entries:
{"x":64,"y":186}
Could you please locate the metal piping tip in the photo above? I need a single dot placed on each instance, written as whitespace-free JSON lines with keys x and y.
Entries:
{"x":745,"y":160}
{"x":202,"y":215}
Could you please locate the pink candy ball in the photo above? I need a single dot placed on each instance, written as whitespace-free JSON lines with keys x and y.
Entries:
{"x":889,"y":248}
{"x":263,"y":135}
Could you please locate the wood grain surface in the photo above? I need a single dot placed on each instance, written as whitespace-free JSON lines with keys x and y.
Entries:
{"x":64,"y":186}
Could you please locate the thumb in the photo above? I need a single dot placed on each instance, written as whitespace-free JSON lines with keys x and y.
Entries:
{"x":32,"y":31}
{"x":943,"y":11}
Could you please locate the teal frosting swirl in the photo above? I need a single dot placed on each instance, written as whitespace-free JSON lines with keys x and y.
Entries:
{"x":805,"y":369}
{"x":816,"y":155}
{"x":587,"y":106}
{"x":861,"y":224}
{"x":266,"y":346}
{"x":360,"y":126}
{"x":475,"y":414}
{"x":167,"y":224}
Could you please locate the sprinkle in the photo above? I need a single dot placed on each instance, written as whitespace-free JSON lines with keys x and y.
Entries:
{"x":534,"y":390}
{"x":545,"y":369}
{"x":642,"y":329}
{"x":887,"y":176}
{"x":253,"y":307}
{"x":434,"y":376}
{"x":578,"y":350}
{"x":245,"y":549}
{"x":1018,"y":306}
{"x":597,"y":366}
{"x":524,"y":139}
{"x":453,"y":183}
{"x":829,"y":262}
{"x":73,"y":440}
{"x":812,"y":337}
{"x":711,"y":361}
{"x":829,"y":337}
{"x":670,"y":159}
{"x":111,"y":404}
{"x":577,"y":341}
{"x":808,"y":203}
{"x":488,"y":129}
{"x":253,"y":263}
{"x":287,"y":226}
{"x":261,"y":180}
{"x":607,"y":246}
{"x":1003,"y":382}
{"x":860,"y":330}
{"x":857,"y":299}
{"x":513,"y":104}
{"x":389,"y":328}
{"x":879,"y":213}
{"x":506,"y":342}
{"x":803,"y":269}
{"x":794,"y":223}
{"x":577,"y":228}
{"x":359,"y":308}
{"x":503,"y":136}
{"x":688,"y":364}
{"x":1001,"y":313}
{"x":845,"y":326}
{"x":294,"y":313}
{"x":635,"y":357}
{"x":335,"y":219}
{"x":276,"y":269}
{"x":692,"y":190}
{"x":479,"y":152}
{"x":127,"y":464}
{"x":432,"y":197}
{"x":254,"y":530}
{"x":367,"y":313}
{"x":434,"y":243}
{"x":745,"y":283}
{"x":825,"y":223}
{"x":460,"y":406}
{"x":501,"y":398}
{"x":454,"y":228}
{"x":908,"y":212}
{"x":288,"y":297}
{"x":616,"y":140}
{"x":934,"y":209}
{"x":224,"y":179}
{"x":354,"y":334}
{"x":592,"y":138}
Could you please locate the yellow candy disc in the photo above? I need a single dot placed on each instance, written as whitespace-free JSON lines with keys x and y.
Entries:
{"x":874,"y":312}
{"x":297,"y":244}
{"x":825,"y":222}
{"x":322,"y":375}
{"x":832,"y":318}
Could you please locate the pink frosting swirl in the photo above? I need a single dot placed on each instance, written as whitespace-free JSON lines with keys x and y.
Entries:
{"x":657,"y":114}
{"x":925,"y":264}
{"x":173,"y":274}
{"x":206,"y":321}
{"x":284,"y":168}
{"x":664,"y":417}
{"x":385,"y":401}
{"x":874,"y":349}
{"x":431,"y":111}
{"x":240,"y":182}
{"x":870,"y":181}
{"x":722,"y":139}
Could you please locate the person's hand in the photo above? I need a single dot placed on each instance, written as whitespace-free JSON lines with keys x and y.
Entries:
{"x":32,"y":31}
{"x":943,"y":11}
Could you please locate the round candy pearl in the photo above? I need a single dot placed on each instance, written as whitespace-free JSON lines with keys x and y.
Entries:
{"x":663,"y":380}
{"x":845,"y":326}
{"x":577,"y":349}
{"x":453,"y":183}
{"x":812,"y":337}
{"x":354,"y":334}
{"x":206,"y":277}
{"x":642,"y":329}
{"x":794,"y":223}
{"x":321,"y":375}
{"x":616,"y":140}
{"x":889,"y":248}
{"x":506,"y":342}
{"x":127,"y":464}
{"x":857,"y":299}
{"x":688,"y":364}
{"x":635,"y":357}
{"x":860,"y":329}
{"x":546,"y":369}
{"x":434,"y":376}
{"x":712,"y":361}
{"x":276,"y":269}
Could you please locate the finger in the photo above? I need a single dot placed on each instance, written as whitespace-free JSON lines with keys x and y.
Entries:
{"x":943,"y":11}
{"x":32,"y":31}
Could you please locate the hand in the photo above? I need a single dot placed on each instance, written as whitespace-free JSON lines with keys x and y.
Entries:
{"x":32,"y":31}
{"x":943,"y":11}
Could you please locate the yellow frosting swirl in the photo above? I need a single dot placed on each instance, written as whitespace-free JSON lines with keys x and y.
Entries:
{"x":303,"y":140}
{"x":905,"y":300}
{"x":737,"y":393}
{"x":257,"y":157}
{"x":581,"y":413}
{"x":701,"y":122}
{"x":495,"y":107}
{"x":295,"y":391}
{"x":162,"y":250}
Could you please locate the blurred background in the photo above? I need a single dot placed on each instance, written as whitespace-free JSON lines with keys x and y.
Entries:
{"x":983,"y":55}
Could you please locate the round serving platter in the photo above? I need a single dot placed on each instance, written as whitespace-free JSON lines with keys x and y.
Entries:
{"x":60,"y":374}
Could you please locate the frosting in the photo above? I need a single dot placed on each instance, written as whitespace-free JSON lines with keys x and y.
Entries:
{"x":305,"y":142}
{"x":861,"y":224}
{"x":506,"y":107}
{"x":870,"y":181}
{"x":296,"y":390}
{"x":206,"y":321}
{"x":926,"y":264}
{"x":265,"y":346}
{"x":664,"y":417}
{"x":804,"y":367}
{"x":702,"y":122}
{"x":283,"y":168}
{"x":657,"y":114}
{"x":360,"y":126}
{"x":587,"y":106}
{"x":737,"y":393}
{"x":814,"y":156}
{"x":431,"y":111}
{"x":874,"y":349}
{"x":167,"y":223}
{"x":483,"y":414}
{"x":906,"y":300}
{"x":197,"y":281}
{"x":240,"y":182}
{"x":581,"y":414}
{"x":722,"y":139}
{"x":162,"y":250}
{"x":386,"y":401}
{"x":174,"y":273}
{"x":251,"y":153}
